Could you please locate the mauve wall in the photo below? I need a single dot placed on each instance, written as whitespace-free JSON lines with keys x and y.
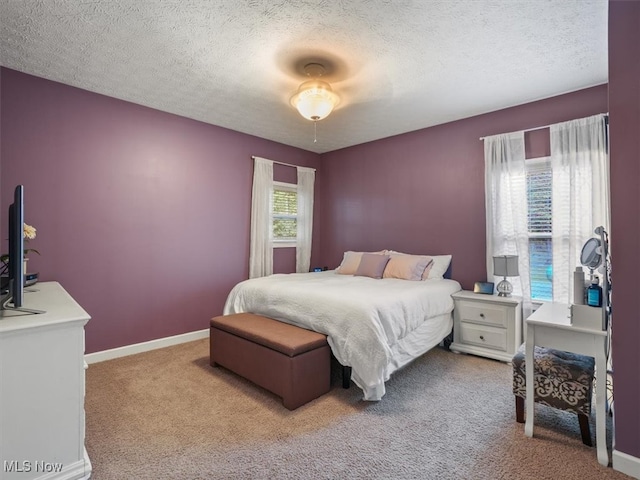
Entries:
{"x":142,"y":216}
{"x":624,"y":125}
{"x":423,"y":192}
{"x":1,"y":229}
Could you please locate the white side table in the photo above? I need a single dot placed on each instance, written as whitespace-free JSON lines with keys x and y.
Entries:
{"x":487,"y":325}
{"x":550,"y":326}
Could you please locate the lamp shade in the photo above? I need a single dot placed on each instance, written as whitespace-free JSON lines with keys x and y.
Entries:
{"x":505,"y":265}
{"x":314,"y":100}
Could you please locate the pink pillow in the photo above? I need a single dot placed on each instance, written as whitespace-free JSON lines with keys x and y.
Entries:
{"x":427,"y":269}
{"x":350,"y":262}
{"x":372,"y":265}
{"x":407,"y":267}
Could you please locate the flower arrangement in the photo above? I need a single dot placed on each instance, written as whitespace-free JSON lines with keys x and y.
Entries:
{"x":29,"y":233}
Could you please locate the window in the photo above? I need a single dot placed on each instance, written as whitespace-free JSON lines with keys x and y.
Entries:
{"x":539,"y":180}
{"x":284,"y":214}
{"x":544,"y":209}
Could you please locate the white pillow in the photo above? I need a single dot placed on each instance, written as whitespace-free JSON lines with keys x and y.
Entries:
{"x":439,"y":266}
{"x":350,"y":262}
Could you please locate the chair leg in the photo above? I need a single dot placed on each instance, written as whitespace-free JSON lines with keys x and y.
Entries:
{"x":584,"y":429}
{"x":519,"y":409}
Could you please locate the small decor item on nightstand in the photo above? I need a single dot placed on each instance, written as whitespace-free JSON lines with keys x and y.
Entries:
{"x":483,"y":287}
{"x":505,"y":266}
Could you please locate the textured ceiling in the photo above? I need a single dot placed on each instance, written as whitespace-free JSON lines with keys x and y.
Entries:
{"x":397,"y":66}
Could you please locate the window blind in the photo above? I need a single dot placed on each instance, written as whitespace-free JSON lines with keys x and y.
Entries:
{"x":539,"y":183}
{"x":539,"y":200}
{"x":285,"y":211}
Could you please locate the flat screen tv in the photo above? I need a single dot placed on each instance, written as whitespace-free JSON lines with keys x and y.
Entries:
{"x":13,"y":299}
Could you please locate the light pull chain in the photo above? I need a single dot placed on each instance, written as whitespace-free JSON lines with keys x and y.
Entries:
{"x":315,"y":132}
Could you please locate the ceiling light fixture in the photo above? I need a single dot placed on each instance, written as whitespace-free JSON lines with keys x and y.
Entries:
{"x":314,"y":99}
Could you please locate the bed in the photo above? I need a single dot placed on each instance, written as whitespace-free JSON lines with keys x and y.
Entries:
{"x":375,"y":326}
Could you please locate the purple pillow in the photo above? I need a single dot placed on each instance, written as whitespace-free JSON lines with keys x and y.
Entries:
{"x":372,"y":265}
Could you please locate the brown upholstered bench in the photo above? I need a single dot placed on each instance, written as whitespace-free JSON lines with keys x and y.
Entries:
{"x":291,"y":362}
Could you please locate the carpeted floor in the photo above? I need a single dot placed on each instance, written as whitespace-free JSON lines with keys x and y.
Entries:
{"x":167,"y":414}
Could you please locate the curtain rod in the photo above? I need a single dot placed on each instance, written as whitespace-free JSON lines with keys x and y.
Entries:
{"x":538,"y":128}
{"x":285,"y":164}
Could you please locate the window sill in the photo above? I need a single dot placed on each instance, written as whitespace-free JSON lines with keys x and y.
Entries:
{"x":284,"y":244}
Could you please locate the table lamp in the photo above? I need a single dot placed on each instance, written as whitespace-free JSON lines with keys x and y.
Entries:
{"x":505,"y":266}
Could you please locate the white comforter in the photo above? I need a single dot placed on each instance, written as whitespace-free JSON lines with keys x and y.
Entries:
{"x":363,"y":318}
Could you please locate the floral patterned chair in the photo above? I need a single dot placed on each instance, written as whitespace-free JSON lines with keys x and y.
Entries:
{"x":563,"y":380}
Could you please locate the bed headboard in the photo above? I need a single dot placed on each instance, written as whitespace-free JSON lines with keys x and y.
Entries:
{"x":447,"y":274}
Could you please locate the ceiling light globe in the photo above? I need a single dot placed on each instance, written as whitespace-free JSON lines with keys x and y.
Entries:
{"x":315,"y":100}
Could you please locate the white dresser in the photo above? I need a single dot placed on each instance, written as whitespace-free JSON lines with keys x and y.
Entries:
{"x":487,"y":325}
{"x":42,"y":388}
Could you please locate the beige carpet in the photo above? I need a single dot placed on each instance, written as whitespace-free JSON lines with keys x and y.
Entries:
{"x":167,"y":414}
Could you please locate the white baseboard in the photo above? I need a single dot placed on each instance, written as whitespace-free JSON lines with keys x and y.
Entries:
{"x":145,"y":346}
{"x":627,"y":464}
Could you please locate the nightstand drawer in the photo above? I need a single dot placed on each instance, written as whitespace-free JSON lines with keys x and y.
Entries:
{"x":484,"y":313}
{"x":488,"y":337}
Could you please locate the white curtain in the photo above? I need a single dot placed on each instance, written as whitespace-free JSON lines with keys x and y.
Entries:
{"x":306,"y":180}
{"x":506,"y":208}
{"x":580,"y":194}
{"x":261,"y":249}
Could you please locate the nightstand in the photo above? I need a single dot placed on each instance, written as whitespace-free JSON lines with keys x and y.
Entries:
{"x":487,"y":325}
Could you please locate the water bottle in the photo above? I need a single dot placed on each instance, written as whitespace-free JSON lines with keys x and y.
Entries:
{"x":578,"y":286}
